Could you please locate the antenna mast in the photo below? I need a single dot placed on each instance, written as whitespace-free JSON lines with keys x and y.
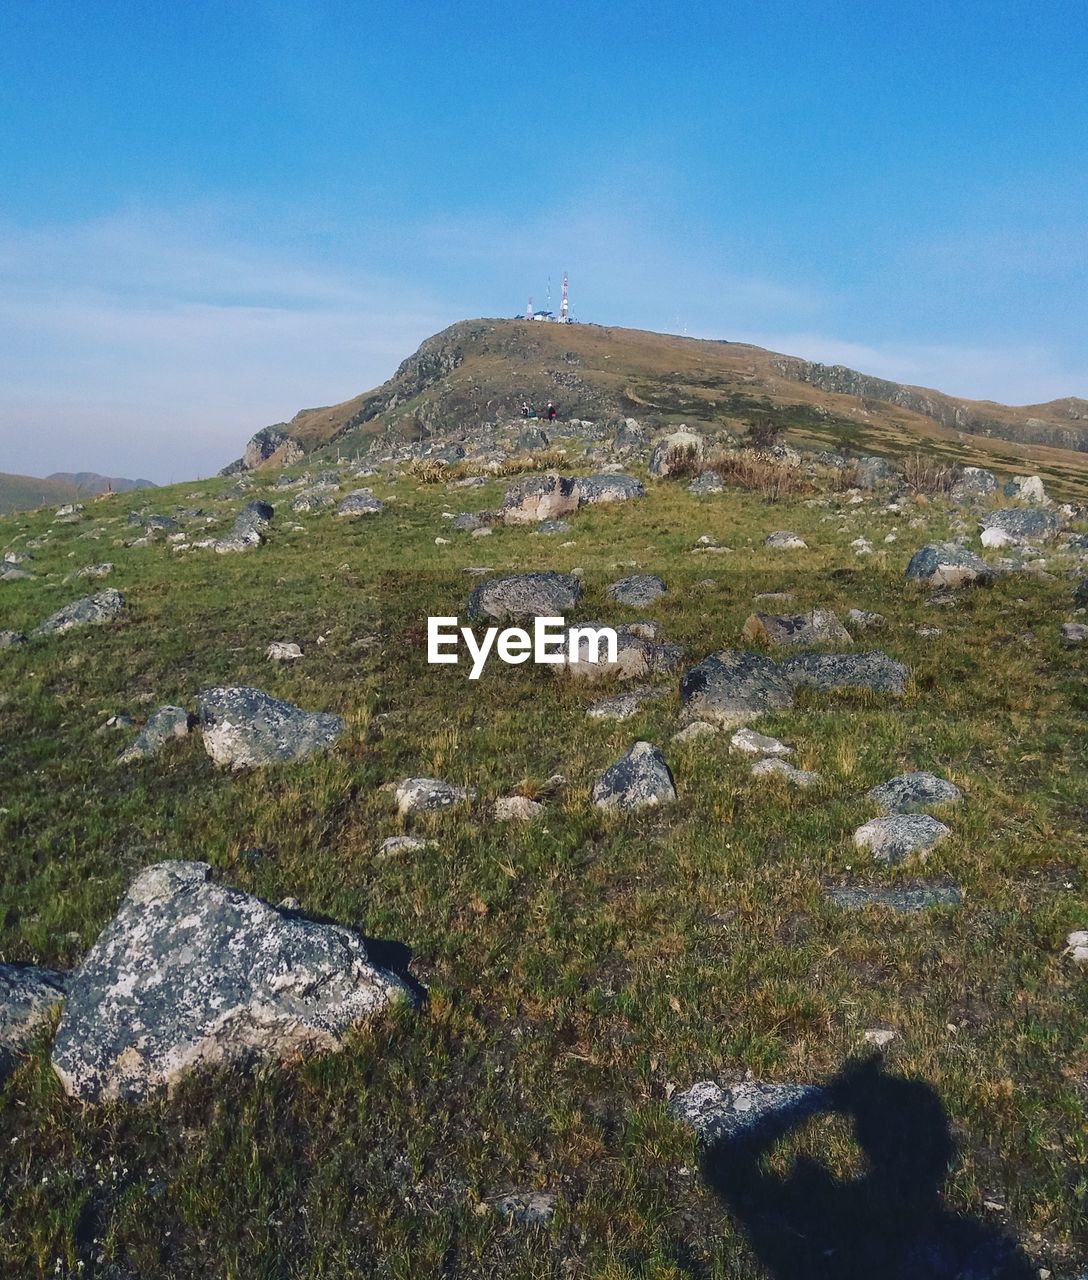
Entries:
{"x":564,"y":306}
{"x":529,"y":309}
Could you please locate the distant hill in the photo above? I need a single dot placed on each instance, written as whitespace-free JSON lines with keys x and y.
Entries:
{"x":480,"y":371}
{"x":24,"y":493}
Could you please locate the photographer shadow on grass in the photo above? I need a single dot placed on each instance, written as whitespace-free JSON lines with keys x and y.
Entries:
{"x":888,"y":1223}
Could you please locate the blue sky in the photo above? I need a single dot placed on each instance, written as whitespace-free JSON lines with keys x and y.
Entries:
{"x":213,"y":215}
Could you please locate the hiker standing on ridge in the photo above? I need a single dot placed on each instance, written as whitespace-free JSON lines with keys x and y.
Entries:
{"x":551,"y":411}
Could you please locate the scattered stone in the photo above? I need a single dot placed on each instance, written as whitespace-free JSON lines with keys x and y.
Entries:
{"x":995,"y":539}
{"x":862,"y":620}
{"x":1026,"y":489}
{"x":874,"y":472}
{"x":944,"y":564}
{"x":1077,"y":946}
{"x":697,"y":729}
{"x":163,"y":725}
{"x":404,"y":844}
{"x":730,"y":688}
{"x":95,"y":571}
{"x":638,"y":780}
{"x":311,"y":500}
{"x":862,"y":547}
{"x":466,"y":521}
{"x":360,"y":503}
{"x":879,"y":1037}
{"x":609,"y":488}
{"x":891,"y":839}
{"x":113,"y":723}
{"x":750,"y":743}
{"x":636,"y":657}
{"x":783,"y":540}
{"x":796,"y":630}
{"x":906,"y":901}
{"x":621,"y":707}
{"x":525,"y":595}
{"x":283,"y":651}
{"x":517,"y":809}
{"x":12,"y":574}
{"x":430,"y":795}
{"x":774,"y":768}
{"x":532,"y":438}
{"x":639,"y":590}
{"x":245,"y":727}
{"x":676,"y":454}
{"x":1021,"y":524}
{"x":11,"y":639}
{"x":710,"y":482}
{"x":549,"y":527}
{"x":91,"y":611}
{"x":28,"y":995}
{"x":914,"y":793}
{"x":718,"y":1113}
{"x":833,"y":672}
{"x":190,"y":974}
{"x":973,"y":482}
{"x":1074,"y":632}
{"x":531,"y":1209}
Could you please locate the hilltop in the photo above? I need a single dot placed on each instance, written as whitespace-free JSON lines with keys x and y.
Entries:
{"x":478,"y":372}
{"x":24,"y":493}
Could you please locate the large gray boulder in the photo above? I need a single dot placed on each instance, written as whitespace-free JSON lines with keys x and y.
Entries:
{"x":163,"y":725}
{"x":914,"y":793}
{"x":91,"y":611}
{"x":638,"y":780}
{"x":1026,"y":489}
{"x":28,"y":994}
{"x":244,"y":728}
{"x":835,"y":672}
{"x":593,"y":490}
{"x":795,"y":630}
{"x":536,"y":498}
{"x":1021,"y":524}
{"x":190,"y":974}
{"x":525,"y":595}
{"x":944,"y":564}
{"x":360,"y":503}
{"x":249,"y":528}
{"x":972,"y":483}
{"x":732,"y":687}
{"x":638,"y":590}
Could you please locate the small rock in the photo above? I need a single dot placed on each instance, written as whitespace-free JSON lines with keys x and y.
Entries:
{"x":638,"y":590}
{"x":517,"y":809}
{"x":1077,"y":946}
{"x":1026,"y":489}
{"x":522,"y":595}
{"x":907,"y":901}
{"x":95,"y":571}
{"x":360,"y":503}
{"x":91,"y":611}
{"x":28,"y":994}
{"x":861,"y":620}
{"x":245,"y":727}
{"x":796,"y":630}
{"x":283,"y":651}
{"x":638,"y":780}
{"x":621,"y":707}
{"x":783,"y":540}
{"x":531,"y":1209}
{"x":430,"y":795}
{"x":163,"y":726}
{"x":718,"y":1113}
{"x":750,"y":743}
{"x":404,"y":844}
{"x":880,"y":1037}
{"x":774,"y":768}
{"x":944,"y":564}
{"x":697,"y":729}
{"x":1074,"y":632}
{"x":11,"y":639}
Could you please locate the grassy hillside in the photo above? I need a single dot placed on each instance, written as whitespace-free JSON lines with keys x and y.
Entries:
{"x":579,"y":969}
{"x":480,"y":371}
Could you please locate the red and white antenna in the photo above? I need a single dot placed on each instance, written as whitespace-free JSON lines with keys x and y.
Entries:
{"x":563,"y":306}
{"x":529,"y":309}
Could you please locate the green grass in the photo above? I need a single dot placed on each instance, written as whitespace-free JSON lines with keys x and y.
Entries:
{"x":578,"y":969}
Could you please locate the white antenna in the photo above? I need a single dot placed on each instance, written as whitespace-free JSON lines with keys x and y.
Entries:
{"x":529,"y":308}
{"x":564,"y":306}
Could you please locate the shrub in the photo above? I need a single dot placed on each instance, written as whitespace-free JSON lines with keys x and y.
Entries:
{"x":927,"y":475}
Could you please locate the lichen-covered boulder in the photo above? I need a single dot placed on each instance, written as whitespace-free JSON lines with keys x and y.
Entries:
{"x":784,"y":540}
{"x":944,"y":564}
{"x":244,"y":728}
{"x":190,"y":974}
{"x":638,"y":780}
{"x":638,"y":590}
{"x":91,"y":611}
{"x":972,"y":483}
{"x":593,"y":490}
{"x":535,"y":498}
{"x":1026,"y":489}
{"x":430,"y":795}
{"x":1021,"y":524}
{"x":892,"y":838}
{"x":525,"y":595}
{"x":732,"y":687}
{"x":360,"y":503}
{"x":914,"y":793}
{"x":676,"y":454}
{"x":836,"y":672}
{"x":718,"y":1113}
